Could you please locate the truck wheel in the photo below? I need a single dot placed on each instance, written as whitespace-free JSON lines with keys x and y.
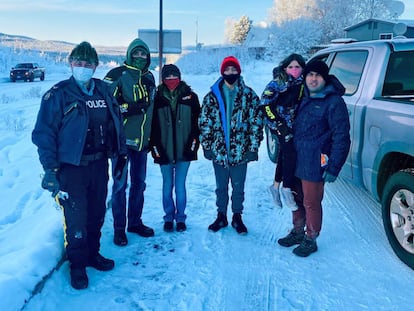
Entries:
{"x":398,"y":214}
{"x":42,"y":77}
{"x":272,"y":144}
{"x":31,"y":79}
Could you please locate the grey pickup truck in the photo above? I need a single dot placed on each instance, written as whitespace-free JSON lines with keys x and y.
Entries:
{"x":379,"y":80}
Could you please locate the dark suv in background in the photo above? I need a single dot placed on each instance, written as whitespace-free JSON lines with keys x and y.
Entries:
{"x":27,"y":72}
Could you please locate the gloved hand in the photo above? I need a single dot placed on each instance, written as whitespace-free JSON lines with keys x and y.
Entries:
{"x":130,"y":109}
{"x":208,"y":154}
{"x":252,"y":156}
{"x":120,"y":164}
{"x":50,"y":181}
{"x":328,"y":177}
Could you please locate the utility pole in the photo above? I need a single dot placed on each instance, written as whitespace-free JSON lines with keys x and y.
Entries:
{"x":196,"y":41}
{"x":160,"y":45}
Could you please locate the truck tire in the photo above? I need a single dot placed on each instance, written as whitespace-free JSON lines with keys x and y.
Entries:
{"x":398,"y":214}
{"x":272,"y":144}
{"x":42,"y":76}
{"x":31,"y":78}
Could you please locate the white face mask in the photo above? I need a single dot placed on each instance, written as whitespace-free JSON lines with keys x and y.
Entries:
{"x":82,"y":74}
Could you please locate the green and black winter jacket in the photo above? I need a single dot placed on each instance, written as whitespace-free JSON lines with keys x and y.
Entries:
{"x":134,"y":90}
{"x":175,"y":135}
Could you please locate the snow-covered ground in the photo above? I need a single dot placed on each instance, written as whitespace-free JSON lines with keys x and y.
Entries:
{"x":354,"y":268}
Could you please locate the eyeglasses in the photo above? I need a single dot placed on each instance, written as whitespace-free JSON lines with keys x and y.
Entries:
{"x":139,"y":54}
{"x":82,"y":63}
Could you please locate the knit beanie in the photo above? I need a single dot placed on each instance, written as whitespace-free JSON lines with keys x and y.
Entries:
{"x":319,"y":67}
{"x":230,"y":61}
{"x":171,"y":69}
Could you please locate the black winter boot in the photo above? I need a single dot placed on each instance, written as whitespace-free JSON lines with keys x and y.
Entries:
{"x":168,"y":226}
{"x":101,"y":263}
{"x":220,"y":222}
{"x":142,"y":230}
{"x":238,"y":224}
{"x":291,"y":239}
{"x":306,"y":247}
{"x":78,"y":278}
{"x":120,"y":237}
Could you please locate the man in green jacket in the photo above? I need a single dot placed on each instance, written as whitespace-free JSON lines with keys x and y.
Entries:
{"x":133,"y":86}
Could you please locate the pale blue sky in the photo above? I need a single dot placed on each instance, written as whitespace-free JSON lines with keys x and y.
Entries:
{"x":115,"y":22}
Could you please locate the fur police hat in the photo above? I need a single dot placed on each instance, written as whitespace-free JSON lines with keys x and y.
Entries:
{"x":84,"y":51}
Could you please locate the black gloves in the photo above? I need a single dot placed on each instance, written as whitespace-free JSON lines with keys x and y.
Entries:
{"x":120,"y":164}
{"x":252,"y":156}
{"x":50,"y":181}
{"x":328,"y":177}
{"x":208,"y":154}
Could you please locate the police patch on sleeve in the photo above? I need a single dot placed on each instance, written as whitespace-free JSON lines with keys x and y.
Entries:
{"x":47,"y":95}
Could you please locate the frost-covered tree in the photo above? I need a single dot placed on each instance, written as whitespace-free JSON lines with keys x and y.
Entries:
{"x":287,"y":10}
{"x":240,"y":30}
{"x":295,"y":36}
{"x":332,"y":16}
{"x":228,"y":29}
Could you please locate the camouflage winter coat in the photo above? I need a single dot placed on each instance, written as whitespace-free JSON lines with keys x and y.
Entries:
{"x":246,"y":125}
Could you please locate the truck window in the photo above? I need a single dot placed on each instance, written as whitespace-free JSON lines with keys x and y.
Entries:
{"x":348,"y":66}
{"x":399,"y":77}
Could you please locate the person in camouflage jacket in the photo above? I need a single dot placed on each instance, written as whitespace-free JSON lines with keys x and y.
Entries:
{"x":231,"y":129}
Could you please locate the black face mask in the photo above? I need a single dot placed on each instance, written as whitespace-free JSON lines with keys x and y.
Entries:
{"x":230,"y":79}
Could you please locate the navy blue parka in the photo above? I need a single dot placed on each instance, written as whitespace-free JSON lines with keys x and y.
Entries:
{"x":62,"y":123}
{"x":321,"y":127}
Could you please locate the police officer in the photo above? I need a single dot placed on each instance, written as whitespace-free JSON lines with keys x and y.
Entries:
{"x":78,"y":128}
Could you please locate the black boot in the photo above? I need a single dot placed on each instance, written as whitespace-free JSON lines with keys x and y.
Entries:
{"x":220,"y":222}
{"x":306,"y":247}
{"x":291,"y":239}
{"x":142,"y":230}
{"x":120,"y":237}
{"x":101,"y":263}
{"x":238,"y":224}
{"x":78,"y":278}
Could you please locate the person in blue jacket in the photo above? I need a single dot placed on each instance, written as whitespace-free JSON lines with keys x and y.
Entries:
{"x":322,"y":141}
{"x":78,"y":128}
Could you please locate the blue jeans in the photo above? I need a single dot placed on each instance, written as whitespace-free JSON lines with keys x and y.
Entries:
{"x":138,"y":170}
{"x":174,"y":176}
{"x":237,"y":176}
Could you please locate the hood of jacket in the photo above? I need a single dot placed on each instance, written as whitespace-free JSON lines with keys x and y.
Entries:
{"x":132,"y":46}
